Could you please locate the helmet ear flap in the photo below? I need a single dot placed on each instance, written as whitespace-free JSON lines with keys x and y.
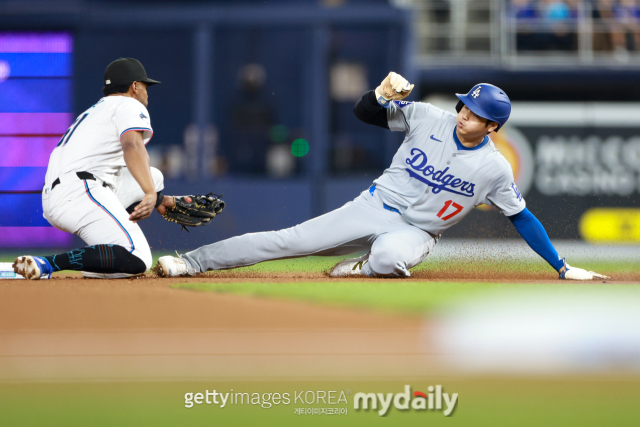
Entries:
{"x":459,"y":106}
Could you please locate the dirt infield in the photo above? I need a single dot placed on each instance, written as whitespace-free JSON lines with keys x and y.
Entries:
{"x":74,"y":302}
{"x":74,"y":329}
{"x":480,"y":275}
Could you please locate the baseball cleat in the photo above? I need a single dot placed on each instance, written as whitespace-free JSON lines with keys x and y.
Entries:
{"x":349,"y":267}
{"x":90,"y":275}
{"x":32,"y":267}
{"x":171,"y":266}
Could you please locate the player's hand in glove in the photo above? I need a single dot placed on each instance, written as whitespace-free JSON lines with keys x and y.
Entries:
{"x":194,"y":211}
{"x":573,"y":273}
{"x":393,"y":88}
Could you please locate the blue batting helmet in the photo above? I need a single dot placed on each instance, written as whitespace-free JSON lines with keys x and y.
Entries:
{"x":487,"y":101}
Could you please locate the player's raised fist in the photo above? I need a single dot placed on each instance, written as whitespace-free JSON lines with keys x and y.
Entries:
{"x":393,"y":88}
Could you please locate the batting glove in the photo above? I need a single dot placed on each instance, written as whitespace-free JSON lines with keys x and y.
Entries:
{"x":393,"y":88}
{"x":573,"y":273}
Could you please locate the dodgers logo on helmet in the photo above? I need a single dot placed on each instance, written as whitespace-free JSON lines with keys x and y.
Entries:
{"x":489,"y":102}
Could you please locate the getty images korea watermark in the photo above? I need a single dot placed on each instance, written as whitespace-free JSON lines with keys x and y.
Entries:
{"x":333,"y":402}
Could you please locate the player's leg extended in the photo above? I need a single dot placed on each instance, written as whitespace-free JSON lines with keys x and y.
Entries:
{"x":94,"y":213}
{"x":395,"y":252}
{"x":346,"y":230}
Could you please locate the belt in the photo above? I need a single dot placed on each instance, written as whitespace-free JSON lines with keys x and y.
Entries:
{"x":384,"y":205}
{"x":436,"y":237}
{"x":80,"y":175}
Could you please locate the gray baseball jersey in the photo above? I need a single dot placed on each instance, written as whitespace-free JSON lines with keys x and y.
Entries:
{"x":434,"y":181}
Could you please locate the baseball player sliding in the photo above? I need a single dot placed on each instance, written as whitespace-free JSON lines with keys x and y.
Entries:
{"x":99,"y":185}
{"x":446,"y":166}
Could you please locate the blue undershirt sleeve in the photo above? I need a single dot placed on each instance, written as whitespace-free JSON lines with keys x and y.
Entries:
{"x":536,"y":237}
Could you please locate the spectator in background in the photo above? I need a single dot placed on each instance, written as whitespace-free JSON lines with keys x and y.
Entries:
{"x":526,"y":15}
{"x":555,"y":11}
{"x":559,"y":19}
{"x":545,"y":24}
{"x":603,"y":19}
{"x":617,"y":27}
{"x":524,"y":10}
{"x":626,"y":34}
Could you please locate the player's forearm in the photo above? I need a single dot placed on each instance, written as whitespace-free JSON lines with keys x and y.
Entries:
{"x":369,"y":111}
{"x":137,"y":160}
{"x":536,"y":237}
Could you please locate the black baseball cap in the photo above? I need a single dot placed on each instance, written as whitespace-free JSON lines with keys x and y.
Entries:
{"x":124,"y":71}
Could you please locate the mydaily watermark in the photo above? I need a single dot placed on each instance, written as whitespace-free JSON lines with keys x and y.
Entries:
{"x":335,"y":401}
{"x":418,"y":401}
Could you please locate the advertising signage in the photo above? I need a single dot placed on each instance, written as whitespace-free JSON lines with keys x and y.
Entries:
{"x":578,"y":167}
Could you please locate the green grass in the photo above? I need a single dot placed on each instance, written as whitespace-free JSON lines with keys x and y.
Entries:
{"x":482,"y":402}
{"x":319,"y":264}
{"x":395,"y":296}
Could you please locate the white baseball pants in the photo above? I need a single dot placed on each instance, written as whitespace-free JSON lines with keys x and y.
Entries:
{"x":362,"y":225}
{"x":98,"y":214}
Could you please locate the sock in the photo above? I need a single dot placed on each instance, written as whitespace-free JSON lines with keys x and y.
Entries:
{"x":98,"y":259}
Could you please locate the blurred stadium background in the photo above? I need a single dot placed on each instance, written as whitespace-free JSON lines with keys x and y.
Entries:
{"x":256,"y":103}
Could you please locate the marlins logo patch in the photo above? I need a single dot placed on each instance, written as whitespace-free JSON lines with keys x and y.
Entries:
{"x":402,"y":104}
{"x":142,"y":116}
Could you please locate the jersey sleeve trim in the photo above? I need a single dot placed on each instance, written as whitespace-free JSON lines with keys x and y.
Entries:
{"x":139,"y":130}
{"x":514,"y":212}
{"x":136,"y":128}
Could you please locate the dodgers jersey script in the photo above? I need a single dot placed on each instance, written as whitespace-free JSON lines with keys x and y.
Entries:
{"x":92,"y":142}
{"x":434,"y":181}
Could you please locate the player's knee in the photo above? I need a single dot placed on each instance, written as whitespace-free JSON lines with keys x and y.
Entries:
{"x":145,"y":257}
{"x":132,"y":263}
{"x":385,"y":260}
{"x":158,"y":179}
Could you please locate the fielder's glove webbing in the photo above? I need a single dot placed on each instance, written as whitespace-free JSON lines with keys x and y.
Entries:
{"x":194,"y":211}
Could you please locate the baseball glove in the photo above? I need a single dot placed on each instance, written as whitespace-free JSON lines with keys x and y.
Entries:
{"x":194,"y":211}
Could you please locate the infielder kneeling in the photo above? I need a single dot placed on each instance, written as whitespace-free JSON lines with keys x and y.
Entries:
{"x":99,"y":184}
{"x":446,"y":166}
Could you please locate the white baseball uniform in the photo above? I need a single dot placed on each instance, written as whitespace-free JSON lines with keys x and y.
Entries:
{"x":432,"y":183}
{"x":95,"y":209}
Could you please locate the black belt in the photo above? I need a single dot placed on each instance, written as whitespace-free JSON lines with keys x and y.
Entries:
{"x":81,"y":175}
